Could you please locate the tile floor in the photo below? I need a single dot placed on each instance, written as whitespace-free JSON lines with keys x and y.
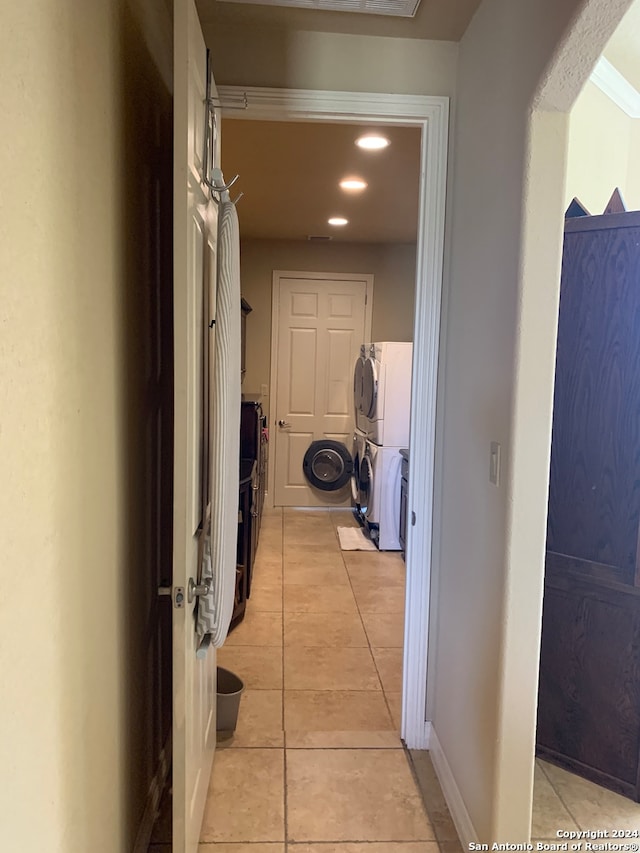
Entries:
{"x":562,"y":800}
{"x":316,"y":764}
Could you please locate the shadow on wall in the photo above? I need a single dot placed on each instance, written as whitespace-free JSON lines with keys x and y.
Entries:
{"x":146,"y":347}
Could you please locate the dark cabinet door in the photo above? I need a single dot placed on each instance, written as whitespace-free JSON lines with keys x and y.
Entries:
{"x":589,"y":696}
{"x":594,"y":486}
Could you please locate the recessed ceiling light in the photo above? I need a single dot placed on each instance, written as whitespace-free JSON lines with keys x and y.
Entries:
{"x":353,"y":184}
{"x":372,"y":142}
{"x":338,"y":220}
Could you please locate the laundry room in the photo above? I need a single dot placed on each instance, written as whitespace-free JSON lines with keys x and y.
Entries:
{"x":296,"y":181}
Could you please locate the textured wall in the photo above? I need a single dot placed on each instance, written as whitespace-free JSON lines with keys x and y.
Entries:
{"x":601,"y":153}
{"x":249,"y":55}
{"x":77,"y":736}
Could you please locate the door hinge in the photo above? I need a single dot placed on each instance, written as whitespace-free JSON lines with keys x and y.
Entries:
{"x":413,"y":519}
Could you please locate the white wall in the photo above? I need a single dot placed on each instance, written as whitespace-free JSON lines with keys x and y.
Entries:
{"x":252,"y":56}
{"x":75,"y":719}
{"x":602,"y":152}
{"x":393,"y":267}
{"x":633,"y":186}
{"x":497,"y":377}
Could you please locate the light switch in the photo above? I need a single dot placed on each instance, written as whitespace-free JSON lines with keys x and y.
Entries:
{"x":494,"y":464}
{"x":264,"y":390}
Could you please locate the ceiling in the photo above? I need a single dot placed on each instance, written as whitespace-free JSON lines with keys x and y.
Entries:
{"x":444,"y":20}
{"x":289,"y":174}
{"x":623,"y":49}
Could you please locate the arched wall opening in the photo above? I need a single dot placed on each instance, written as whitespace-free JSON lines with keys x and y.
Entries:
{"x":532,"y":408}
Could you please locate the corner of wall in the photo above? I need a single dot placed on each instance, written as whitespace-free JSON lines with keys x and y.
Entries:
{"x":453,"y":796}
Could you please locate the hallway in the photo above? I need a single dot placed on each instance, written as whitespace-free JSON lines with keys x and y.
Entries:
{"x":316,"y":764}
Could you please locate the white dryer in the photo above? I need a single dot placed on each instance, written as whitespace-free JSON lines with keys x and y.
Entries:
{"x":379,"y":491}
{"x":385,"y":401}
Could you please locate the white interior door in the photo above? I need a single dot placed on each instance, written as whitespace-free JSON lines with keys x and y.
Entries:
{"x":195,"y":235}
{"x":320,"y":321}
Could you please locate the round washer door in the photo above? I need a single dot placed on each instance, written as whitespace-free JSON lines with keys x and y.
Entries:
{"x":327,"y":465}
{"x":369,"y":388}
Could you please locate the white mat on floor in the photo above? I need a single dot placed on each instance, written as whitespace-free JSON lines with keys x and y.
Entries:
{"x":353,"y":539}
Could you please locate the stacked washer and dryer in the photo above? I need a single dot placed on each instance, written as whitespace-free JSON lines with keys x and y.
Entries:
{"x":382,"y":400}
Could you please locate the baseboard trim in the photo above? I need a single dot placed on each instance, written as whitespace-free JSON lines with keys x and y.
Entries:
{"x":459,"y":814}
{"x":152,"y":807}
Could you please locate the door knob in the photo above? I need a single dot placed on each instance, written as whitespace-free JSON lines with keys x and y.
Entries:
{"x":283,"y":424}
{"x":197,"y":589}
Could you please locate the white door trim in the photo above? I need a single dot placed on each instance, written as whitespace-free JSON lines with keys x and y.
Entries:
{"x":431,"y":114}
{"x":278,"y":275}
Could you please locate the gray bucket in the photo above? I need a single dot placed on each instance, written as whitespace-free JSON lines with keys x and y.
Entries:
{"x":230,"y":689}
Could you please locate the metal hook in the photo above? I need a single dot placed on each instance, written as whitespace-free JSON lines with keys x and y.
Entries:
{"x":237,"y":198}
{"x":222,"y":188}
{"x":243,"y":103}
{"x":217,"y":185}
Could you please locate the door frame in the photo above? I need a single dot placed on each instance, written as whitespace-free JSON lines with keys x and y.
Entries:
{"x":277,"y":277}
{"x":431,"y":114}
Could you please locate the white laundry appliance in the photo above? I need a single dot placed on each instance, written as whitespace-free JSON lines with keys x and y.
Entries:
{"x":379,"y":494}
{"x":383,"y":405}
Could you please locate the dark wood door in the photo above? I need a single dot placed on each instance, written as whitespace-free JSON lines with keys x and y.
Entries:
{"x":589,"y":697}
{"x":594,"y":491}
{"x":589,"y":694}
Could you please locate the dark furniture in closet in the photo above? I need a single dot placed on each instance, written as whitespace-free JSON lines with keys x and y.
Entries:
{"x":589,"y":694}
{"x":243,"y":566}
{"x":253,"y":479}
{"x":253,"y":455}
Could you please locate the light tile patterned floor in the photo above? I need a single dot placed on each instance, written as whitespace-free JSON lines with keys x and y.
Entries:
{"x":562,"y":800}
{"x":316,"y":763}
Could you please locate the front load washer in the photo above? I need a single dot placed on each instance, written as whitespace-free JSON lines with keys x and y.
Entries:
{"x":385,"y":404}
{"x":379,"y":489}
{"x":327,"y":465}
